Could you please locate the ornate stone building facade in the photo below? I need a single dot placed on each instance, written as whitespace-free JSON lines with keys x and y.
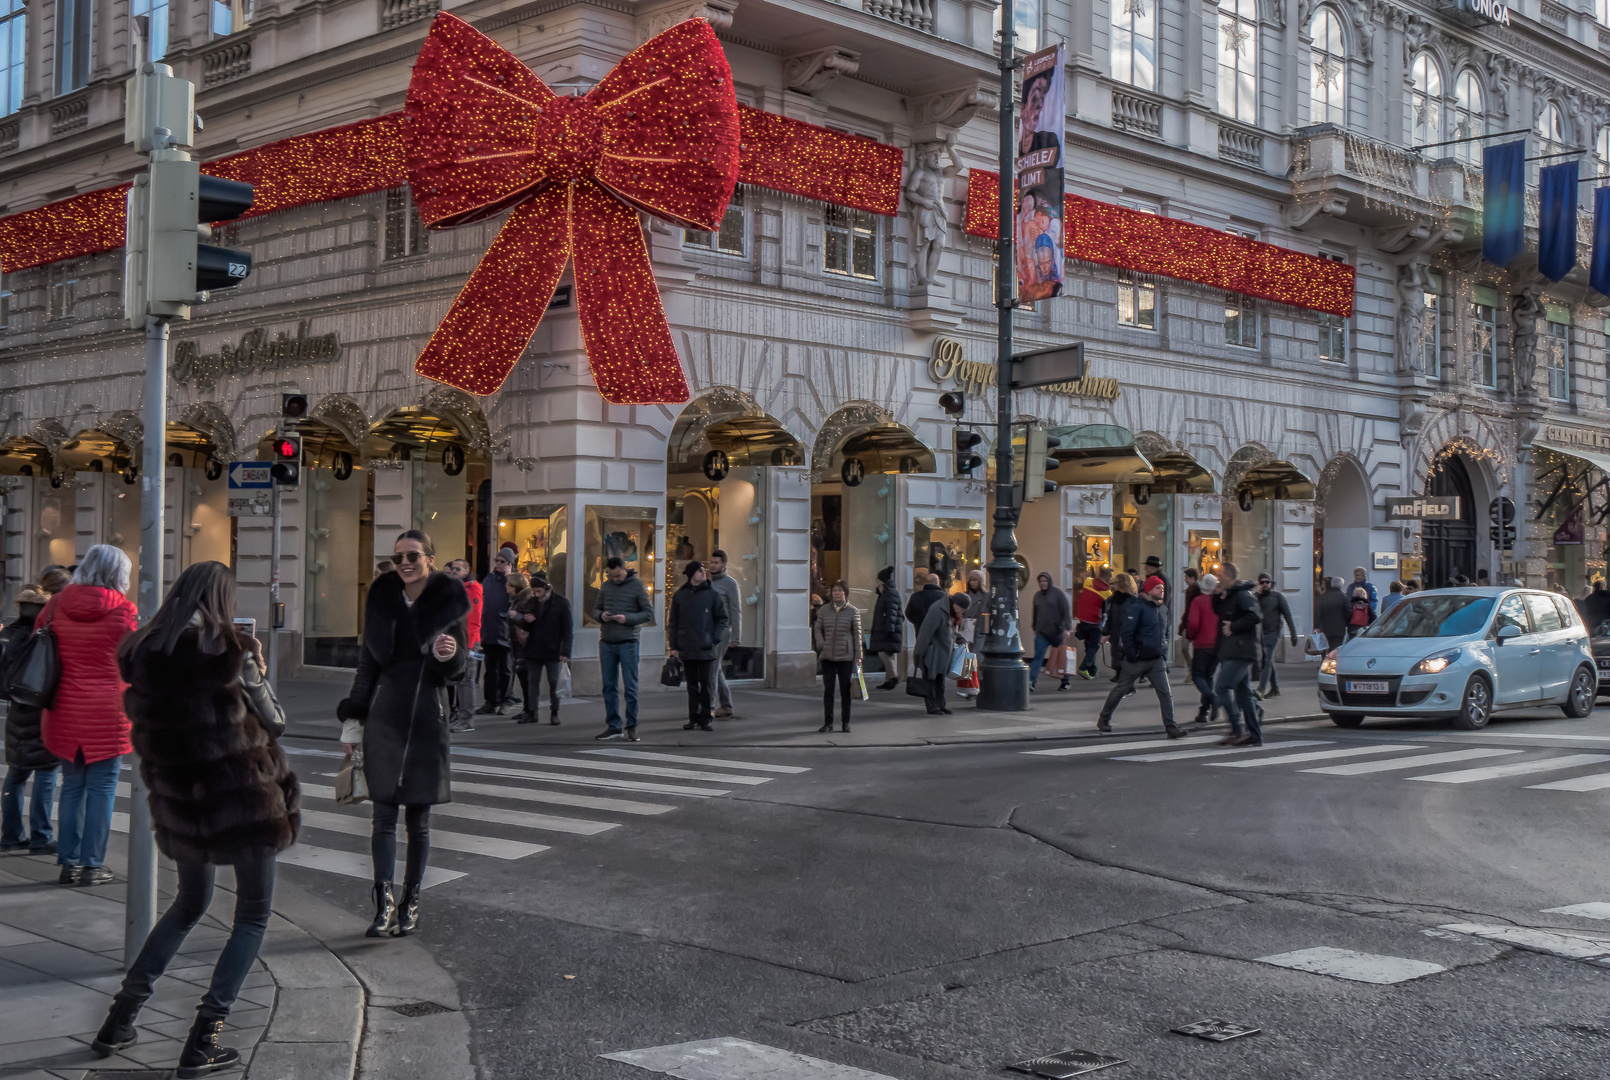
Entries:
{"x":818,"y":339}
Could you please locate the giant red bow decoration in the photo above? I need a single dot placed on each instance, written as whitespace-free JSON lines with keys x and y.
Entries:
{"x":483,"y":134}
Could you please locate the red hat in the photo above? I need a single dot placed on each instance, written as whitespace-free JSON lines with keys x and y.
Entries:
{"x":1152,"y":583}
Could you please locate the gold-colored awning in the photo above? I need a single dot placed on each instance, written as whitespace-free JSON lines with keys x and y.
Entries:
{"x":1174,"y":472}
{"x":755,"y":440}
{"x":1276,"y":480}
{"x":888,"y":448}
{"x":1099,"y":454}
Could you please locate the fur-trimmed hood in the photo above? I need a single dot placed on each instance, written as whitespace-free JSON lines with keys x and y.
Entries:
{"x":442,"y":603}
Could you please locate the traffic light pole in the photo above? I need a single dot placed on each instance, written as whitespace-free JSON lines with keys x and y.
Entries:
{"x":141,"y":910}
{"x":1003,"y":679}
{"x":274,"y":589}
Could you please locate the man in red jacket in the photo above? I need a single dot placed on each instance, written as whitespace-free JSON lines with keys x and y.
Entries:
{"x":461,"y":692}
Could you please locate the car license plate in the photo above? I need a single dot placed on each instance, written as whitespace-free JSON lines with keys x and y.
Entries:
{"x":1366,"y":687}
{"x":1604,"y":663}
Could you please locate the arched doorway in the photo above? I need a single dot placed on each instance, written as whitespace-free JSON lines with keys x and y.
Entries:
{"x":1341,"y":520}
{"x":719,"y":462}
{"x":96,"y":483}
{"x":1449,"y":546}
{"x":196,"y":485}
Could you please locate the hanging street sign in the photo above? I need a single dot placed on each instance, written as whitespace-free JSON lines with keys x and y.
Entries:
{"x":250,"y":484}
{"x":1428,"y":508}
{"x":1049,"y":367}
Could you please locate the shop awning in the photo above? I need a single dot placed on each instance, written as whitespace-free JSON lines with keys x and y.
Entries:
{"x":755,"y":440}
{"x":18,"y":452}
{"x":888,"y":448}
{"x":1597,"y":458}
{"x":1174,"y":472}
{"x":1276,"y":480}
{"x":1099,"y":454}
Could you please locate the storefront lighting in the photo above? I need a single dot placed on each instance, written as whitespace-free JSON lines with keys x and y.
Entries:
{"x":503,"y":524}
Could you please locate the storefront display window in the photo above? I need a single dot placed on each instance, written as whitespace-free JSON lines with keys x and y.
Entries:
{"x":541,"y":536}
{"x":1249,"y":537}
{"x":1141,"y":529}
{"x":1092,"y":551}
{"x":1203,"y":550}
{"x":340,"y":563}
{"x":624,"y":531}
{"x":56,"y":528}
{"x":1562,"y":485}
{"x":949,"y":547}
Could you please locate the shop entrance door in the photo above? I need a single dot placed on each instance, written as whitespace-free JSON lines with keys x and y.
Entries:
{"x":1450,"y":546}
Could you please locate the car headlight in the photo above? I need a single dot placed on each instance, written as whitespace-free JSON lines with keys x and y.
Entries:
{"x":1434,"y":665}
{"x":1327,"y":666}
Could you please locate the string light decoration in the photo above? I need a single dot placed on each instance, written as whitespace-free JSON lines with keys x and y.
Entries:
{"x":1099,"y":232}
{"x":83,"y":225}
{"x":818,"y":163}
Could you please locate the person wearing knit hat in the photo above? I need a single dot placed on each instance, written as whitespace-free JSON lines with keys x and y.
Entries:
{"x":888,"y":629}
{"x":26,"y":754}
{"x":697,"y":623}
{"x":1143,"y":643}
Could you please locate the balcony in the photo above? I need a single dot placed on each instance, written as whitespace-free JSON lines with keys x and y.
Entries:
{"x":230,"y":60}
{"x":918,"y":14}
{"x":1411,"y":202}
{"x":69,"y":114}
{"x":1137,"y":115}
{"x":1240,"y":146}
{"x":395,"y":13}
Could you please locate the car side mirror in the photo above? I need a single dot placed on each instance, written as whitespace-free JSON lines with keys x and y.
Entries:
{"x":1506,"y":632}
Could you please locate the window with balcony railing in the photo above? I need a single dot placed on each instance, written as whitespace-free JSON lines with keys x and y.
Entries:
{"x":226,"y":17}
{"x":1134,"y":42}
{"x":1601,"y":11}
{"x":1484,"y":336}
{"x":1238,"y":60}
{"x":1025,"y":23}
{"x":1425,"y":100}
{"x":157,"y":11}
{"x":1137,"y":304}
{"x":729,"y":237}
{"x":1469,"y":117}
{"x":1327,"y":90}
{"x":1552,"y":146}
{"x":1556,"y":346}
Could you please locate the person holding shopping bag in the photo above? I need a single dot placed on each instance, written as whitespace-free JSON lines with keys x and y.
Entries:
{"x":838,"y":643}
{"x":207,"y":727}
{"x":937,"y":641}
{"x":413,"y":649}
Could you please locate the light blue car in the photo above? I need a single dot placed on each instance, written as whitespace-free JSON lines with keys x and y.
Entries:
{"x":1463,"y":655}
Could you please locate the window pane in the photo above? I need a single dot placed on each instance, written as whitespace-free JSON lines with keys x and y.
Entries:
{"x":866,"y":254}
{"x":731,"y":237}
{"x":1146,"y":307}
{"x":223,"y":20}
{"x":835,"y":252}
{"x":1126,"y":305}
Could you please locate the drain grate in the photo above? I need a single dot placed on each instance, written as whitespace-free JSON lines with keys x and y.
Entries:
{"x":1216,"y":1030}
{"x":1067,"y":1063}
{"x":418,"y":1008}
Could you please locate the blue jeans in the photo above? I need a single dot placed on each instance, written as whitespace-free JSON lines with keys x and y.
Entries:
{"x":11,"y":799}
{"x":1042,"y":645}
{"x":87,"y":792}
{"x":1232,"y":689}
{"x":254,"y":895}
{"x":618,"y":662}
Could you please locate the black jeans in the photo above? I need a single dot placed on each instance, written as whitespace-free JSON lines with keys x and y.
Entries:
{"x":936,"y":695}
{"x":1204,"y":662}
{"x":842,"y":672}
{"x":254,"y":895}
{"x":496,"y":688}
{"x":383,"y":843}
{"x":698,"y":675}
{"x":532,"y":685}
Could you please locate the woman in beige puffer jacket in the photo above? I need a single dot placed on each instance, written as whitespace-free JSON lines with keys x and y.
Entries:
{"x":838,"y":643}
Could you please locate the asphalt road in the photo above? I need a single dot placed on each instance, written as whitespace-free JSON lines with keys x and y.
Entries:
{"x":938,"y":911}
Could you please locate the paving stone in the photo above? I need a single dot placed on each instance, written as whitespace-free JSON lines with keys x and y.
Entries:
{"x":299,"y":961}
{"x":54,"y":1052}
{"x":57,"y":1007}
{"x":60,"y":961}
{"x":303,"y":1061}
{"x":332,"y":1014}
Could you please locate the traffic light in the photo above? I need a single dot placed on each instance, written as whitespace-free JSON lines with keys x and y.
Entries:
{"x":293,"y":406}
{"x":1037,"y":460}
{"x":287,"y":454}
{"x":967,"y":442}
{"x":954,"y":402}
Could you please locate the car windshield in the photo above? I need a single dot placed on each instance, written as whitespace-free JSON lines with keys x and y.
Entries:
{"x":1434,"y":615}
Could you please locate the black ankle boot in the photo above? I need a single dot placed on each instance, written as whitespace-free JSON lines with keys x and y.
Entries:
{"x":202,"y":1056}
{"x":408,"y":912}
{"x":118,"y":1032}
{"x":385,"y":923}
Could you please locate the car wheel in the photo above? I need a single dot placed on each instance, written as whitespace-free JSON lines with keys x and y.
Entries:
{"x":1583,"y":695}
{"x":1346,"y":719}
{"x":1476,"y":708}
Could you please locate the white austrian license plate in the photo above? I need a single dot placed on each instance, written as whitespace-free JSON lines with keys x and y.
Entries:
{"x":1366,"y":687}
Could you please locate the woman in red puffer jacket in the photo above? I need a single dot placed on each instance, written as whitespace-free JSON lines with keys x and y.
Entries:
{"x":85,"y":725}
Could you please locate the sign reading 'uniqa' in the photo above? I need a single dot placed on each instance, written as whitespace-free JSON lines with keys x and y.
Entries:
{"x":1492,"y":10}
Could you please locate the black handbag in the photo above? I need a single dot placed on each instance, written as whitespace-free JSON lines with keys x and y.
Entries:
{"x":34,"y":670}
{"x":917,"y":686}
{"x":671,"y":673}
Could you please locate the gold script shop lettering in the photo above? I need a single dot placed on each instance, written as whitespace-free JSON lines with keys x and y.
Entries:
{"x":256,"y":352}
{"x":948,"y":364}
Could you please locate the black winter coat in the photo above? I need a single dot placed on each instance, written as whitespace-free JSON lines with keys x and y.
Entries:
{"x":1238,"y":607}
{"x":1144,"y":633}
{"x":495,"y":610}
{"x":548,"y":638}
{"x":888,"y":624}
{"x":399,"y":689}
{"x":1330,"y":616}
{"x":220,"y":786}
{"x":698,"y":621}
{"x":921,"y":600}
{"x":25,"y":746}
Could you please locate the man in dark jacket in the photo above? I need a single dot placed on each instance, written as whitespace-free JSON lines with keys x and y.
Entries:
{"x":1331,"y":611}
{"x":495,"y":635}
{"x":1274,"y":610}
{"x":1595,"y":607}
{"x":545,"y":618}
{"x":1240,"y":619}
{"x":888,"y":633}
{"x":695,"y":627}
{"x":1053,"y":618}
{"x":623,"y":608}
{"x":923,"y":598}
{"x":26,"y":754}
{"x":1142,"y":641}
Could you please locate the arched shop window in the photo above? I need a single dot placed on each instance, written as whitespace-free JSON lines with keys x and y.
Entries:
{"x":1327,"y":90}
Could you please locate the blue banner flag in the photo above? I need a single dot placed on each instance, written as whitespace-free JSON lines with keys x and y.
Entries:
{"x":1504,"y":206}
{"x":1556,"y":220}
{"x":1599,"y":263}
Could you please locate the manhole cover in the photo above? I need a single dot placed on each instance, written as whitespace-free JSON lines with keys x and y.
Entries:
{"x":1217,"y":1030}
{"x":418,"y":1008}
{"x":1067,"y":1063}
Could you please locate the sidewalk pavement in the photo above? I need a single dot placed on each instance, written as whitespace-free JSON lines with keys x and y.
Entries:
{"x":787,"y":718}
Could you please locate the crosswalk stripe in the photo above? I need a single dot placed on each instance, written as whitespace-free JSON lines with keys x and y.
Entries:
{"x":1312,"y":755}
{"x":1591,"y":782}
{"x":654,"y":755}
{"x":1520,"y":768}
{"x":563,"y":798}
{"x":588,"y":781}
{"x":493,"y":846}
{"x":1573,"y":946}
{"x":331,"y":861}
{"x":737,"y":1059}
{"x":1184,"y":755}
{"x":545,"y":822}
{"x":610,"y":766}
{"x":1359,"y":768}
{"x":1108,"y":748}
{"x":1598,"y":909}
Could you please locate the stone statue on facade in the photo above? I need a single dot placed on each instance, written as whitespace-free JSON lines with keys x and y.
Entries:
{"x":925,"y":193}
{"x":1412,"y":320}
{"x":1524,"y":316}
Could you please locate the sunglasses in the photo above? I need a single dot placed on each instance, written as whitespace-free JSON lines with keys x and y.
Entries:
{"x":409,"y":556}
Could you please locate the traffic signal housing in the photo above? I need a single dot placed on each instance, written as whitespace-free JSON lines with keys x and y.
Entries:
{"x":966,"y":444}
{"x":293,"y":406}
{"x":954,"y":402}
{"x":286,"y":451}
{"x":1037,"y":461}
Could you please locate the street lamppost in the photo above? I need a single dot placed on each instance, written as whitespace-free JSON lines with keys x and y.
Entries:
{"x":1003,"y":678}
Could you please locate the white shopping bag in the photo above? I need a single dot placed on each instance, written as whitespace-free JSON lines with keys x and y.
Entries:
{"x":564,"y":680}
{"x":1317,"y":644}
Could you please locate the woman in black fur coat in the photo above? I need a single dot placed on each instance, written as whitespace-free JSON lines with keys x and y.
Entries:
{"x":206,"y":727}
{"x":413,"y":648}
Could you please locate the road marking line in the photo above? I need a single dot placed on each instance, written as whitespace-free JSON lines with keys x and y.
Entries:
{"x":737,"y":1059}
{"x":492,"y":846}
{"x":1186,"y":755}
{"x":591,"y":781}
{"x":1591,"y":782}
{"x":1539,"y":735}
{"x":1359,"y":768}
{"x":1520,"y":768}
{"x":561,"y":798}
{"x":329,"y":860}
{"x":610,"y":766}
{"x":1109,"y":748}
{"x":1312,"y":755}
{"x":1595,"y":910}
{"x":1569,"y":946}
{"x":1356,"y":966}
{"x":611,"y":751}
{"x":544,"y":822}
